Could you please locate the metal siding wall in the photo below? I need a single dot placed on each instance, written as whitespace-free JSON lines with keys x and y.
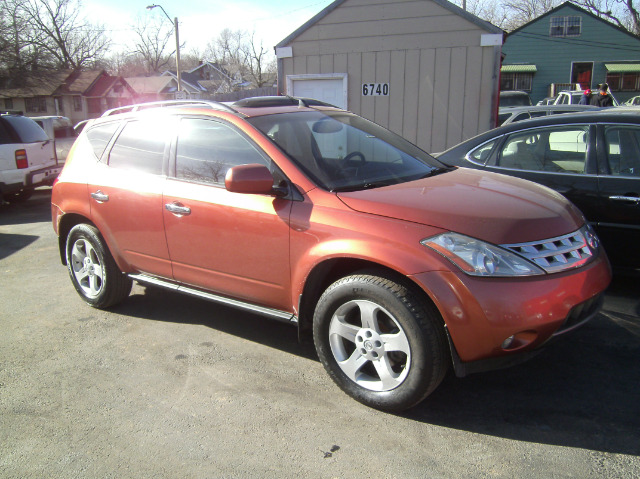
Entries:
{"x":383,"y":75}
{"x":439,"y":83}
{"x":425,"y":98}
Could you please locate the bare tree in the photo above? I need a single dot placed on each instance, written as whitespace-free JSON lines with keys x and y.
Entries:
{"x":153,"y":43}
{"x":242,"y":56}
{"x":60,"y":32}
{"x":261,"y":67}
{"x":622,"y":13}
{"x":519,"y":12}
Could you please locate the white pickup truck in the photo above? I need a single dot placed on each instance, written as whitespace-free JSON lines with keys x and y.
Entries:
{"x":59,"y":129}
{"x":27,"y":158}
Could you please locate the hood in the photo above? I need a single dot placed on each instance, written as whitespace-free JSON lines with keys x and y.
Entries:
{"x":488,"y":206}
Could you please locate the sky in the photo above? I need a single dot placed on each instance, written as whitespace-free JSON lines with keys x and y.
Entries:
{"x":202,"y":20}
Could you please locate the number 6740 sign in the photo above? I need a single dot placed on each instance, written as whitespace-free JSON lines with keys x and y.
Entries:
{"x":375,"y":89}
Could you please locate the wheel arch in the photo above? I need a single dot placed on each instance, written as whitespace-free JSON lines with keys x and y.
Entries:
{"x":331,"y":270}
{"x":67,"y":222}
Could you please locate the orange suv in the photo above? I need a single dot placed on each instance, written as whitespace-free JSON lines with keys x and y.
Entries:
{"x":398,"y":266}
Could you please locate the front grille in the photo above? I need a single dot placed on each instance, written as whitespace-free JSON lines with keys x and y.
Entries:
{"x":560,"y":253}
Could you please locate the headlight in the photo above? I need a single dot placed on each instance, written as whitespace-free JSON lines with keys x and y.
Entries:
{"x":478,"y":258}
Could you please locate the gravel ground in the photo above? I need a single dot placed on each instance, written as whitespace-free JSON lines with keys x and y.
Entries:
{"x":169,"y":386}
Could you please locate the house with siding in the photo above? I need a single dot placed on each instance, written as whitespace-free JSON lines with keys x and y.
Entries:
{"x":76,"y":94}
{"x":569,"y":46}
{"x":426,"y":69}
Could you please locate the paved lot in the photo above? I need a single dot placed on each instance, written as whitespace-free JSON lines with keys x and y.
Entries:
{"x":167,"y":386}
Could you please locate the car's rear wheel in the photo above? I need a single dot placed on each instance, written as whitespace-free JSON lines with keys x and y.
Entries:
{"x":380,"y":342}
{"x":93,"y":271}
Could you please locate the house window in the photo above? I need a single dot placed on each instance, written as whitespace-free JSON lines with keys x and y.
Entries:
{"x":629,"y":81}
{"x":36,"y":105}
{"x":94,"y":105}
{"x":77,"y":103}
{"x":613,"y":80}
{"x":516,"y":81}
{"x":565,"y":26}
{"x":8,"y":103}
{"x":574,"y":26}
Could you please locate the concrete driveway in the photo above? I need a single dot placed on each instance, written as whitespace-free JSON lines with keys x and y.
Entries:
{"x":168,"y":386}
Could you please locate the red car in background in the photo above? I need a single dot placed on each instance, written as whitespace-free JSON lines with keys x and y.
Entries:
{"x":398,"y":266}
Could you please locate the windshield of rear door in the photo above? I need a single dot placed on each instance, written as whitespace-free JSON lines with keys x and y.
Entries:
{"x":341,"y":151}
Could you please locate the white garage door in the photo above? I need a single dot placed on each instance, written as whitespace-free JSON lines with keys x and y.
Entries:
{"x":330,"y":90}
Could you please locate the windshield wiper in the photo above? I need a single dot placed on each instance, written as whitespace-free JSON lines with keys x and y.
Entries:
{"x":363,"y":186}
{"x":438,"y":171}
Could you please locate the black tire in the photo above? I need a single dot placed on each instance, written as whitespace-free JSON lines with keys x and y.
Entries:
{"x":368,"y":323}
{"x":19,"y":197}
{"x":92,"y":269}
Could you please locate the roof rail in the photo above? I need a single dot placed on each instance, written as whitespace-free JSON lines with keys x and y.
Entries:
{"x":167,"y":103}
{"x":274,"y":101}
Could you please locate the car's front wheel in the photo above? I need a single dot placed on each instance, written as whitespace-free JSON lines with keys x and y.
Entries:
{"x":93,"y":270}
{"x":379,"y":341}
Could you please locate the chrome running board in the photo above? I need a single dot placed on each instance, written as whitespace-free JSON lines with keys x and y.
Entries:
{"x":273,"y":313}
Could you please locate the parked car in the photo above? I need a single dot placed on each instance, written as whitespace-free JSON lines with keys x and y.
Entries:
{"x":547,"y":101}
{"x":512,"y":114}
{"x":514,"y":98}
{"x":572,"y":97}
{"x":634,"y":101}
{"x":27,"y":158}
{"x":592,"y":158}
{"x":397,"y":266}
{"x":60,"y":130}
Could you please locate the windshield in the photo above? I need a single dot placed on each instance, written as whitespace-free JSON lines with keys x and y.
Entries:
{"x":341,"y":151}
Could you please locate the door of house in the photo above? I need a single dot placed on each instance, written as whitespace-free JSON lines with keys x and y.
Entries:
{"x":581,"y":73}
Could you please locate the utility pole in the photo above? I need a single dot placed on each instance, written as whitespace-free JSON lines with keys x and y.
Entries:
{"x":175,"y":24}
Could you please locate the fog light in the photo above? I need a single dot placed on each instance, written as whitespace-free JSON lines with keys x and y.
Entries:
{"x":506,"y":344}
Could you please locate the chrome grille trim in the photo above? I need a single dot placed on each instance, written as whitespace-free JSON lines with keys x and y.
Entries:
{"x":556,"y":254}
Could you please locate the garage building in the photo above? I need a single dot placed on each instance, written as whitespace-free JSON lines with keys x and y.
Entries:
{"x":425,"y":69}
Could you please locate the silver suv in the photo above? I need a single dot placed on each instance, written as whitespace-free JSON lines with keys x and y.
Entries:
{"x":27,"y":158}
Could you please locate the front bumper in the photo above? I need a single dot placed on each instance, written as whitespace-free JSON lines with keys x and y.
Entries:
{"x":498,"y":319}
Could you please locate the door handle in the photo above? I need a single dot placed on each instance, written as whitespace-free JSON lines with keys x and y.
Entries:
{"x":100,"y":197}
{"x":178,"y":209}
{"x":633,"y":199}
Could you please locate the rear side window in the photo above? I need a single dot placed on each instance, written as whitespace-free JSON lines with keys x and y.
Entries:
{"x":5,"y":134}
{"x":28,"y":131}
{"x":140,"y":147}
{"x":207,"y":149}
{"x":99,"y":137}
{"x":623,"y":150}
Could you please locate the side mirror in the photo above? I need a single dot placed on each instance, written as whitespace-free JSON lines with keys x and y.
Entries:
{"x":251,"y":179}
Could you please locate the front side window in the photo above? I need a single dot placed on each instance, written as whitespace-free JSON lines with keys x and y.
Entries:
{"x":100,"y":135}
{"x":559,"y":150}
{"x":140,"y":146}
{"x":623,"y":150}
{"x":207,"y":149}
{"x":344,"y":152}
